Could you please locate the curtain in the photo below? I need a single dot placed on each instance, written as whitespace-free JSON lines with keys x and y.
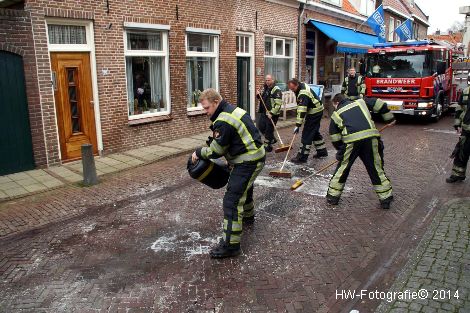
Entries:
{"x":130,"y":85}
{"x":66,"y":34}
{"x":157,"y":84}
{"x":280,"y":69}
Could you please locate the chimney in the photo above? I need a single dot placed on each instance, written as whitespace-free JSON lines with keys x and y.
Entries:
{"x":438,"y":32}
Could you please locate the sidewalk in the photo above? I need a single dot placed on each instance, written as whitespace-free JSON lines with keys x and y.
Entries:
{"x":31,"y":182}
{"x":439,"y":269}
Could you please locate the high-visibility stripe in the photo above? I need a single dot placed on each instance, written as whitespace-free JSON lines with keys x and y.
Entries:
{"x":206,"y":172}
{"x":465,"y":127}
{"x":363,"y":134}
{"x":385,"y":190}
{"x":337,"y":119}
{"x":387,"y":116}
{"x":315,"y":110}
{"x":249,"y":156}
{"x":378,"y":106}
{"x":218,"y":148}
{"x":235,"y":122}
{"x":347,"y":107}
{"x":302,"y":109}
{"x":335,"y":137}
{"x":365,"y":111}
{"x":335,"y":188}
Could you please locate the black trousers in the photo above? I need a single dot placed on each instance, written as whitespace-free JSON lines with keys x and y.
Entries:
{"x":238,"y":199}
{"x":266,"y":127}
{"x":462,"y":154}
{"x":370,"y":151}
{"x":311,"y":134}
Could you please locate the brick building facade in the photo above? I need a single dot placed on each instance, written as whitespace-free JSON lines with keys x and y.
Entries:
{"x":145,"y":62}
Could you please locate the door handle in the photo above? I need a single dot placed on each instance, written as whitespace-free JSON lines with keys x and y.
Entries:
{"x":92,"y":103}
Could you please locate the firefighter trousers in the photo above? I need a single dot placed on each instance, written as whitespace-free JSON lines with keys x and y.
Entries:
{"x":266,"y":127}
{"x":462,"y":154}
{"x":311,"y":134}
{"x":370,"y":151}
{"x":238,"y":199}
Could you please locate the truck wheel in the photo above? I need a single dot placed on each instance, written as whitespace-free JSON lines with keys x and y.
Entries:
{"x":437,"y":113}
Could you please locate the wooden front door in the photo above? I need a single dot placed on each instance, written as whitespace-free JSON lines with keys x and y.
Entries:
{"x":74,"y":102}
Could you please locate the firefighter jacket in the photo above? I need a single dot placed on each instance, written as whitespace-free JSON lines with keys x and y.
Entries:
{"x":307,"y":103}
{"x":462,"y":115}
{"x":272,"y":97}
{"x":352,"y":120}
{"x":235,"y":136}
{"x":354,"y":87}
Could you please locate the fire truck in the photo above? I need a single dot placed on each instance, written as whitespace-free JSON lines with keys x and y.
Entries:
{"x":413,"y":77}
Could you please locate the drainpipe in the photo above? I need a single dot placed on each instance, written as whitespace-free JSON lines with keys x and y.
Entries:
{"x":299,"y":40}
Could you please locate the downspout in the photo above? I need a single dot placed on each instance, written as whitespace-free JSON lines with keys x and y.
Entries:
{"x":299,"y":39}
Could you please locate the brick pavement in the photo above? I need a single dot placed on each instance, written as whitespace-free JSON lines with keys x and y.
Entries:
{"x":439,"y":269}
{"x":138,"y":241}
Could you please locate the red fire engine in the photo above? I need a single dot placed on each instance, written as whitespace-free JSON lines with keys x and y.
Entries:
{"x":413,"y":77}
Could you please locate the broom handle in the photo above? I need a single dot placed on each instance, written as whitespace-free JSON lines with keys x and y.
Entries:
{"x":288,"y":150}
{"x":336,"y":161}
{"x":275,"y":128}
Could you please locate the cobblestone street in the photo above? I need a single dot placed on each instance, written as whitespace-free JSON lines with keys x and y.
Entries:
{"x":138,"y":241}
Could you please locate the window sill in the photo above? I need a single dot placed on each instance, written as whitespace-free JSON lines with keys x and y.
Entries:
{"x":147,"y":120}
{"x":196,"y":112}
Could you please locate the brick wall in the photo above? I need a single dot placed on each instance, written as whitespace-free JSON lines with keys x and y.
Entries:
{"x":16,"y":37}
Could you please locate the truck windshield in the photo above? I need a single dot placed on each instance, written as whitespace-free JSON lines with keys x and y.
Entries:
{"x":400,"y":65}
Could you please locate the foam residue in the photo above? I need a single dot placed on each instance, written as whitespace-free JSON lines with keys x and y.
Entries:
{"x":191,"y":244}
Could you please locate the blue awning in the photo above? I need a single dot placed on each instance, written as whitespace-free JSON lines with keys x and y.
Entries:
{"x":349,"y":41}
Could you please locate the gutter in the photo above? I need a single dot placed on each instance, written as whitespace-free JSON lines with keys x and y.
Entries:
{"x":299,"y":39}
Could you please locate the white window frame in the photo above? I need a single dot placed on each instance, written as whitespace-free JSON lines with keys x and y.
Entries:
{"x":250,"y":54}
{"x":338,"y":3}
{"x":275,"y":56}
{"x":397,"y":24}
{"x":215,"y":54}
{"x":88,"y":47}
{"x":136,"y":28}
{"x":391,"y":30}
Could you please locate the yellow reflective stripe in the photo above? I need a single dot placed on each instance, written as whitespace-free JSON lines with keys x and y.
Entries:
{"x":276,"y":105}
{"x":235,"y":225}
{"x":385,"y":189}
{"x":378,"y":106}
{"x":275,"y":88}
{"x":347,"y":107}
{"x":335,"y":188}
{"x":315,"y":110}
{"x":242,"y":200}
{"x":457,"y":122}
{"x":250,"y":156}
{"x":337,"y":119}
{"x":236,"y":123}
{"x":387,"y":116}
{"x":217,"y":148}
{"x":206,"y":172}
{"x":336,"y":137}
{"x":205,"y":152}
{"x":466,"y":127}
{"x":361,"y":135}
{"x":301,"y":109}
{"x":365,"y":111}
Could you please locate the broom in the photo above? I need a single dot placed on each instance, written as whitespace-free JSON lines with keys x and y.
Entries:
{"x":283,"y":147}
{"x":282,"y":173}
{"x":300,"y":182}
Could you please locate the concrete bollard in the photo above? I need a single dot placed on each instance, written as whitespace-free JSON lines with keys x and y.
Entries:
{"x":89,"y":169}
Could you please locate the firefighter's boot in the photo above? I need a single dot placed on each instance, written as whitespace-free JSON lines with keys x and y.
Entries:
{"x":332,"y":200}
{"x":322,"y":153}
{"x":453,"y":179}
{"x":224,"y":250}
{"x":385,"y":204}
{"x":299,"y":158}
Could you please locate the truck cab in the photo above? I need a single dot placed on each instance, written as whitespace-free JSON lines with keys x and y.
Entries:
{"x":413,"y":77}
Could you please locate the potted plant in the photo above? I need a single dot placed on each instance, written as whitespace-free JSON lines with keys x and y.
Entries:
{"x":145,"y":108}
{"x":153,"y":107}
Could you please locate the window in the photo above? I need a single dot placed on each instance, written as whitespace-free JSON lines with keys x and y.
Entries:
{"x":243,"y":44}
{"x":66,"y":34}
{"x":367,"y":7}
{"x":397,"y":38}
{"x":391,"y":28}
{"x":335,"y":2}
{"x":201,"y":66}
{"x":279,"y":59}
{"x":146,"y":54}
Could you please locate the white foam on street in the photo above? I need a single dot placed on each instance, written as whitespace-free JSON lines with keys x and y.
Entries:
{"x":442,"y":131}
{"x":191,"y":244}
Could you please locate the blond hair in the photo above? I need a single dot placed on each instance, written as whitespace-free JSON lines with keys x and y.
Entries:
{"x":210,"y":95}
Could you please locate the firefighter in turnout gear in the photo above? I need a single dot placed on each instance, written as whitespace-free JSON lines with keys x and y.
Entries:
{"x":353,"y":134}
{"x":235,"y":137}
{"x":354,"y":86}
{"x":272,"y":97}
{"x":310,"y":111}
{"x":461,"y":152}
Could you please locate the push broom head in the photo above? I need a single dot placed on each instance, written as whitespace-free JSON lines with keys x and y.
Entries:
{"x":296,"y":185}
{"x":285,"y":174}
{"x":282,"y":149}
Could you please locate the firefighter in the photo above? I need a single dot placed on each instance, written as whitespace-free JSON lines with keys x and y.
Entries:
{"x":235,"y":137}
{"x":310,"y":110}
{"x":272,"y":97}
{"x":461,"y":152}
{"x":353,"y":134}
{"x":354,"y":86}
